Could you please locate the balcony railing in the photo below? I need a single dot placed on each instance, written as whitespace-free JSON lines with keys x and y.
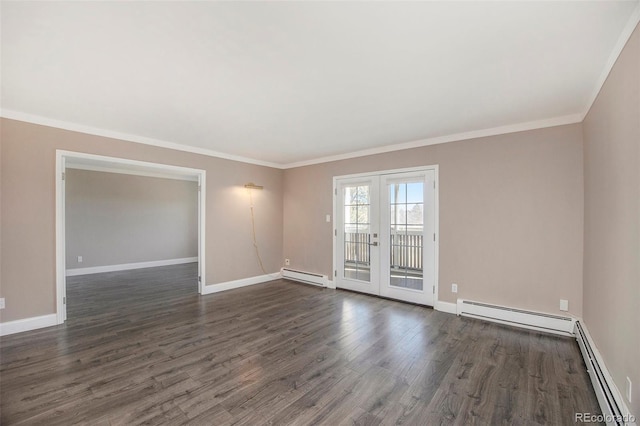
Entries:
{"x":405,"y":253}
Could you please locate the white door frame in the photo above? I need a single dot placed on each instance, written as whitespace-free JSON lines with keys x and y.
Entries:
{"x":435,"y":169}
{"x":103,"y":163}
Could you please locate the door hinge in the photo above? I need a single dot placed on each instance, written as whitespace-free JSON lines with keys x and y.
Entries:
{"x":199,"y":278}
{"x":335,"y":232}
{"x":434,"y":237}
{"x":64,"y":300}
{"x":335,"y":273}
{"x":199,"y":188}
{"x":62,"y":175}
{"x":434,"y":289}
{"x":434,"y":184}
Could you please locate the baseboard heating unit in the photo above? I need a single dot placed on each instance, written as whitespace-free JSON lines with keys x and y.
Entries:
{"x":304,"y":277}
{"x":614,"y":412}
{"x":517,"y":317}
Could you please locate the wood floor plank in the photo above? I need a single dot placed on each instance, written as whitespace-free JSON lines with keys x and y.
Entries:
{"x":543,"y":406}
{"x":142,"y":347}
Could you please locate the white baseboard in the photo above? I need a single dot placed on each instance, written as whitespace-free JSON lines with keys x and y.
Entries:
{"x":128,"y":266}
{"x":331,"y":284}
{"x":450,"y":308}
{"x":230,"y":285}
{"x":628,"y":418}
{"x":27,"y":324}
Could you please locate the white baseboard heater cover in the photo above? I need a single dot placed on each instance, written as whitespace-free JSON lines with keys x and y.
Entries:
{"x":517,"y":317}
{"x":613,"y":408}
{"x":304,"y":277}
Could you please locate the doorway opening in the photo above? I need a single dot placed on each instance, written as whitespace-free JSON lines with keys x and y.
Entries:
{"x":385,"y":238}
{"x":68,"y":164}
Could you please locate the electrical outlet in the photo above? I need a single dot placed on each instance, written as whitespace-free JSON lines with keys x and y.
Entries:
{"x":629,"y":389}
{"x":79,"y":259}
{"x":454,"y":288}
{"x":328,"y":218}
{"x":1,"y":302}
{"x":564,"y":305}
{"x":287,"y":262}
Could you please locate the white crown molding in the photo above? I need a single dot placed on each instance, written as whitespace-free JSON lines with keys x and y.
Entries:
{"x":494,"y":131}
{"x":629,"y":28}
{"x":66,"y":125}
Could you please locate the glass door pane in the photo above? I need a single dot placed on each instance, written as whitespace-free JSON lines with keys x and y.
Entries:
{"x":407,"y":244}
{"x":357,"y":232}
{"x":406,"y":234}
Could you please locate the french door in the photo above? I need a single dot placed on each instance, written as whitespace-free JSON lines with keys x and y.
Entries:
{"x":385,"y":235}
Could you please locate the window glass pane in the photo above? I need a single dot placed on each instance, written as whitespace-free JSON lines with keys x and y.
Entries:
{"x":414,"y":214}
{"x":350,"y":273}
{"x":399,"y":212}
{"x":351,"y":214}
{"x":349,"y":195}
{"x":363,"y":195}
{"x":415,"y":192}
{"x":357,"y":232}
{"x":401,"y":194}
{"x":364,"y":274}
{"x":406,"y":212}
{"x":364,"y":229}
{"x":363,"y":214}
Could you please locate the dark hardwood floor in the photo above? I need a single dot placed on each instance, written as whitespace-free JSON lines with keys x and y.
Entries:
{"x":143,"y":347}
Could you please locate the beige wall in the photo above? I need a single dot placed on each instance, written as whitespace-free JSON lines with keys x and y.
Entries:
{"x":114,"y":218}
{"x":511,"y":218}
{"x":612,"y":218}
{"x":28,"y":211}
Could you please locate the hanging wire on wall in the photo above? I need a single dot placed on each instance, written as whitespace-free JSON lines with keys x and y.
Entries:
{"x":250,"y":187}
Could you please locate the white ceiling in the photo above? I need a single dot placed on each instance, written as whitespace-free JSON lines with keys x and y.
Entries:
{"x":285,"y":82}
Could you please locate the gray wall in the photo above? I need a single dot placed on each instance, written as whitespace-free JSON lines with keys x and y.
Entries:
{"x":510,"y":215}
{"x":114,"y":218}
{"x":612,"y":220}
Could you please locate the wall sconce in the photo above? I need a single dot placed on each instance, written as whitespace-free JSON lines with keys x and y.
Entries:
{"x":252,"y":185}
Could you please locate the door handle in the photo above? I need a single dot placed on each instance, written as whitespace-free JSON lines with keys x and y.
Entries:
{"x":375,"y":244}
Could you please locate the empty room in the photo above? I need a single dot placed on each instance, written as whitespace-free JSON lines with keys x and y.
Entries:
{"x":293,"y":213}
